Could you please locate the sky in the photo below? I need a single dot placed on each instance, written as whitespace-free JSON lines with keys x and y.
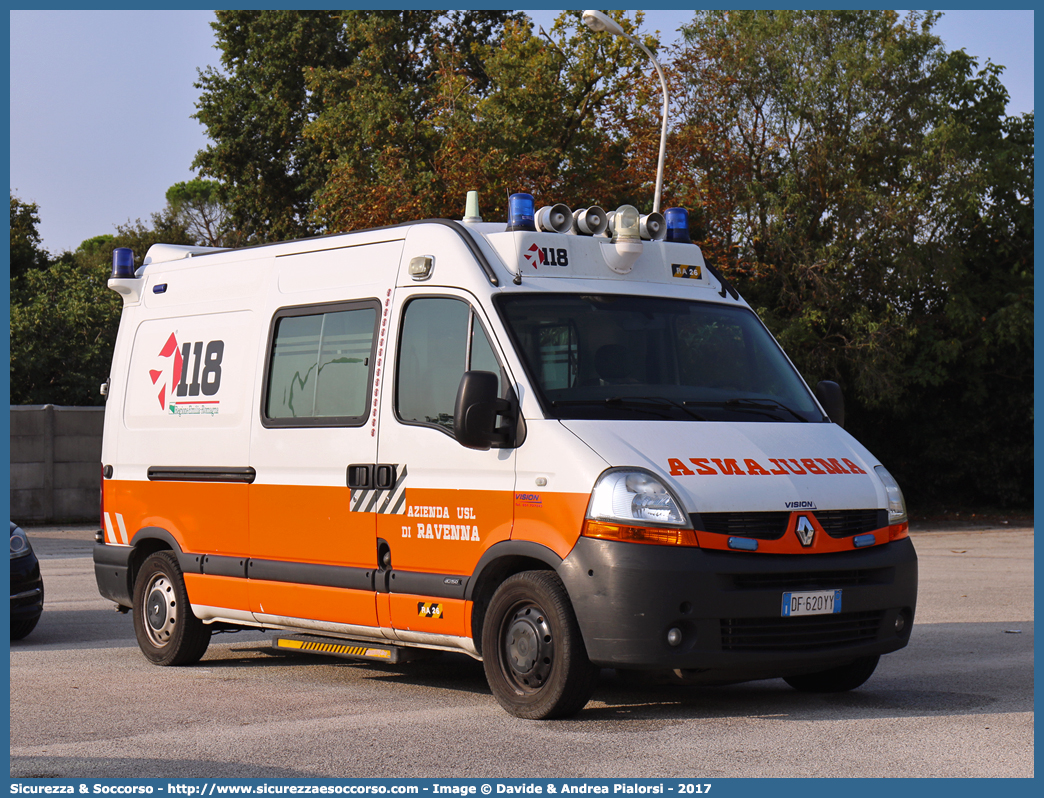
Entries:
{"x":102,"y":103}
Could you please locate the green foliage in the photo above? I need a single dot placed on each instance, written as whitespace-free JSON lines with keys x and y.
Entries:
{"x":329,"y":122}
{"x":25,"y":239}
{"x":257,"y":108}
{"x":254,"y":112}
{"x":63,"y":323}
{"x":964,"y":431}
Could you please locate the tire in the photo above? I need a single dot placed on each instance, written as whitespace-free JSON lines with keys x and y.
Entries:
{"x":532,"y":651}
{"x":167,"y":631}
{"x":22,"y":628}
{"x":835,"y":680}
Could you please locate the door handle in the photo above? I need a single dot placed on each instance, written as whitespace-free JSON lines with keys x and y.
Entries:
{"x":384,"y":476}
{"x":366,"y":476}
{"x":360,"y":476}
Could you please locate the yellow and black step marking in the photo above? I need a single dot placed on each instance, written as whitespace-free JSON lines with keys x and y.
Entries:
{"x":349,"y":649}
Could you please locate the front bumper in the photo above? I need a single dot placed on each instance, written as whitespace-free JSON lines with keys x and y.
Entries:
{"x":26,"y":588}
{"x":728,"y":607}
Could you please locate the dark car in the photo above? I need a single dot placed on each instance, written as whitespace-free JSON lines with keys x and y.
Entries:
{"x":27,"y":591}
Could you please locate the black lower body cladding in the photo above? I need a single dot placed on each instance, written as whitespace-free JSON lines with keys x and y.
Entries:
{"x":728,"y":607}
{"x":111,"y":570}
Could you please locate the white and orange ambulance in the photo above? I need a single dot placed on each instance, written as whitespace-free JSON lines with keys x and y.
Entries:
{"x":553,"y":446}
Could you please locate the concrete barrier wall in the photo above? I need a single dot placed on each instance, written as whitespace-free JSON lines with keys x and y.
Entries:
{"x":55,"y":463}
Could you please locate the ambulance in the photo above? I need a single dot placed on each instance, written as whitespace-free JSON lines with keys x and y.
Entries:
{"x":557,"y":444}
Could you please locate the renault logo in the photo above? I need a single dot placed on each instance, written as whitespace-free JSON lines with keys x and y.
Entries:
{"x":805,"y":530}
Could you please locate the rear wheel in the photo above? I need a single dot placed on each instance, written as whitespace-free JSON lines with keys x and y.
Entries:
{"x":532,"y":650}
{"x":835,"y":680}
{"x":167,"y":631}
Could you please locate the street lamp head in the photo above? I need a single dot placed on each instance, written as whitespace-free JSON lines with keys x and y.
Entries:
{"x":599,"y":22}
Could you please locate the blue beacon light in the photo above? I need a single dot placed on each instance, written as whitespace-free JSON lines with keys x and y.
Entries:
{"x":520,"y":213}
{"x":122,"y":262}
{"x":677,"y":225}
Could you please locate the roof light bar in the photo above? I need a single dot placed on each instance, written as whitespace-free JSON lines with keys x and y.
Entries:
{"x":520,"y":213}
{"x":122,"y":262}
{"x":677,"y":225}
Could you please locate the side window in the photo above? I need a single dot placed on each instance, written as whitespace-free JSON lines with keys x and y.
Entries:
{"x":320,"y":365}
{"x":441,"y":339}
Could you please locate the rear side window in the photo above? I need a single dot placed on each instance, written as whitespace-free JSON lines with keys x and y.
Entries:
{"x":320,"y":365}
{"x":441,"y":339}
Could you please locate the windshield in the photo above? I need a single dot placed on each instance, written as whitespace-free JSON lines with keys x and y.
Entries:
{"x":633,"y":357}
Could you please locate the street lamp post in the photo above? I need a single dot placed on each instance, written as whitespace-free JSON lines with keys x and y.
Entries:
{"x":598,"y":22}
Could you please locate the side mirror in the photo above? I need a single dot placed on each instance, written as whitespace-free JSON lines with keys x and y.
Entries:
{"x":476,"y":409}
{"x":829,"y":395}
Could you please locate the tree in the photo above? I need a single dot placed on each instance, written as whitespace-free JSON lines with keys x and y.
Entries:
{"x":511,"y":113}
{"x":26,"y":253}
{"x":254,"y":112}
{"x":198,"y":207}
{"x":325,"y":122}
{"x":964,"y":433}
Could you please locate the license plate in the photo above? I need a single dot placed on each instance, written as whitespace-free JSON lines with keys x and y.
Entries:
{"x":816,"y":602}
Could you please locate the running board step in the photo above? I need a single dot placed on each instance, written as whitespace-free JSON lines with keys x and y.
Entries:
{"x":347,"y":649}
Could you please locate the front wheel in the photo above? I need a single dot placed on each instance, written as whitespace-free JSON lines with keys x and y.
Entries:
{"x":835,"y":680}
{"x":167,"y":631}
{"x":532,"y":651}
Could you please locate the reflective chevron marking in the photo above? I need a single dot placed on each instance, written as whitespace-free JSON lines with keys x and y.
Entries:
{"x":387,"y":501}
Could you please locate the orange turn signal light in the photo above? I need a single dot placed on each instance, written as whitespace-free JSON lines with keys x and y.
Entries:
{"x":897,"y":531}
{"x":657,"y":536}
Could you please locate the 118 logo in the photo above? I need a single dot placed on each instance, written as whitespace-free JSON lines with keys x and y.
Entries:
{"x":195,"y":370}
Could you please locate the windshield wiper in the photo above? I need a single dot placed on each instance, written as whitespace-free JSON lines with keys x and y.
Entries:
{"x":659,"y":403}
{"x":763,"y":406}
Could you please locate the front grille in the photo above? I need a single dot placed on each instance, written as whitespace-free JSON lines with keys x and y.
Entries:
{"x":809,"y":633}
{"x":812,"y":580}
{"x":773,"y":525}
{"x":849,"y":523}
{"x":763,"y":526}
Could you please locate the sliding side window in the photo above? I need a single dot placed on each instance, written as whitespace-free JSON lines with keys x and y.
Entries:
{"x":319,"y":371}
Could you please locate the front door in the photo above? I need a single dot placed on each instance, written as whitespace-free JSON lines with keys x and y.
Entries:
{"x":449,"y":503}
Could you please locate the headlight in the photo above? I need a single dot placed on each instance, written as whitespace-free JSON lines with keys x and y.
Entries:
{"x":630,"y":495}
{"x":631,"y":505}
{"x":19,"y":543}
{"x":896,"y":503}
